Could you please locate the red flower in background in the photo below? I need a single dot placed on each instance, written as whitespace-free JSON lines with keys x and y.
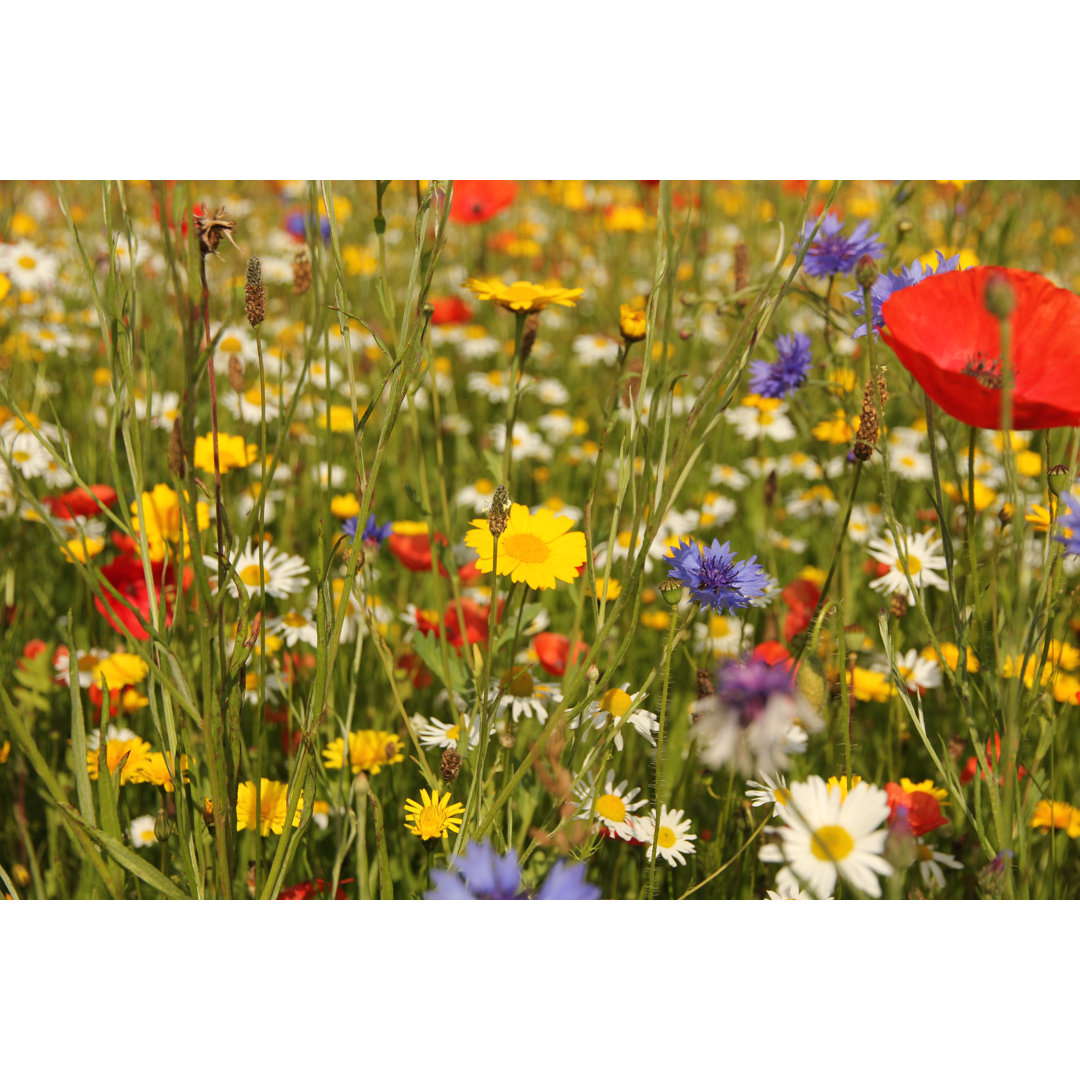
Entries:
{"x":801,"y":597}
{"x":125,"y":574}
{"x":480,"y":200}
{"x":449,"y":310}
{"x":306,"y":890}
{"x":993,"y":757}
{"x":81,"y":502}
{"x":943,"y":334}
{"x":923,"y":810}
{"x":553,"y":651}
{"x":414,"y":551}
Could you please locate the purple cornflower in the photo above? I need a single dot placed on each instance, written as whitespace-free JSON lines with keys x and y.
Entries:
{"x":1070,"y":523}
{"x":834,"y":253}
{"x":893,"y":282}
{"x":754,"y":719}
{"x":785,"y":374}
{"x":479,"y":874}
{"x":373,"y":535}
{"x":714,"y":578}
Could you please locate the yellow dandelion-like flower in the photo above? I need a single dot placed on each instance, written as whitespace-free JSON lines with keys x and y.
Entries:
{"x":1056,"y":815}
{"x":523,"y":295}
{"x":157,"y":769}
{"x":369,"y":751}
{"x":633,"y":322}
{"x":536,"y":549}
{"x":137,"y":751}
{"x":233,"y":453}
{"x":434,"y":817}
{"x":273,"y":806}
{"x":80,"y":550}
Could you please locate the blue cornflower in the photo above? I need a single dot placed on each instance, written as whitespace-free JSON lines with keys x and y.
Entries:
{"x":834,"y":253}
{"x":296,"y":225}
{"x":745,"y":686}
{"x":714,"y":578}
{"x":479,"y":874}
{"x":787,"y":373}
{"x":373,"y":535}
{"x":893,"y":282}
{"x":1070,"y":523}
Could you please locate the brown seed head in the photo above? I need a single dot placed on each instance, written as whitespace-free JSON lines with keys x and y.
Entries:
{"x":528,"y":336}
{"x":254,"y":293}
{"x":211,"y":228}
{"x":450,"y":765}
{"x":742,"y":269}
{"x":301,"y":273}
{"x":499,"y":514}
{"x":705,"y":684}
{"x":236,"y":373}
{"x":898,"y":605}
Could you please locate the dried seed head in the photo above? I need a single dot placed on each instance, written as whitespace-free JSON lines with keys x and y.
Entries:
{"x":175,"y":455}
{"x":772,"y":486}
{"x":210,"y":228}
{"x":528,"y":336}
{"x":236,"y":373}
{"x":301,"y":273}
{"x":705,"y":685}
{"x":254,"y":293}
{"x":898,"y":605}
{"x":867,"y":436}
{"x":450,"y":765}
{"x":742,"y":270}
{"x":633,"y":367}
{"x":499,"y":514}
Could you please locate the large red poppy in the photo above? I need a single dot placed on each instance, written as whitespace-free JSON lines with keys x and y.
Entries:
{"x":413,"y":551}
{"x":125,"y":574}
{"x":944,"y":335}
{"x":923,"y":810}
{"x":81,"y":502}
{"x":449,"y":311}
{"x":480,"y":200}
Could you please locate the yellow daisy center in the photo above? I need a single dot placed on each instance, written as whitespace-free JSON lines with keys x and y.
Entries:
{"x":431,"y":821}
{"x":665,"y":838}
{"x":914,"y":565}
{"x":294,"y":618}
{"x":519,"y":683}
{"x":250,"y":575}
{"x":616,"y":702}
{"x":27,"y":262}
{"x":611,"y":807}
{"x":832,"y":843}
{"x":527,"y":548}
{"x":454,"y":732}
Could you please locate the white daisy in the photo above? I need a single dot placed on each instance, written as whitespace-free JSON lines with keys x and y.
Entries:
{"x":674,"y":839}
{"x":476,"y":345}
{"x":769,"y":791}
{"x":247,"y":406}
{"x":930,"y":864}
{"x":729,"y":476}
{"x":617,"y":706}
{"x":441,"y":734}
{"x":27,"y":266}
{"x":525,"y":443}
{"x":612,"y":809}
{"x":721,"y":635}
{"x":918,"y":672}
{"x":592,"y":349}
{"x":295,"y":627}
{"x":557,"y":425}
{"x":524,"y":696}
{"x":816,"y":501}
{"x":768,"y":418}
{"x":920,"y":551}
{"x":788,"y":887}
{"x":142,"y":831}
{"x":911,"y":464}
{"x":281,"y":574}
{"x":826,"y":833}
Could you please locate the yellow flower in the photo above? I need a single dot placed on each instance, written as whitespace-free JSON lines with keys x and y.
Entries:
{"x":633,"y":322}
{"x":5,"y":751}
{"x":164,"y":522}
{"x":120,"y":669}
{"x":870,"y":685}
{"x":273,"y":805}
{"x":345,"y":506}
{"x":983,"y":495}
{"x":433,"y":818}
{"x":137,"y":751}
{"x":80,"y":550}
{"x":233,"y":453}
{"x":369,"y":751}
{"x":655,"y":620}
{"x":951,"y":654}
{"x":838,"y":430}
{"x":157,"y":769}
{"x":535,"y":549}
{"x":926,"y":786}
{"x":523,"y":295}
{"x":625,"y":219}
{"x":341,"y":418}
{"x":5,"y":286}
{"x":843,"y":785}
{"x":1056,"y":815}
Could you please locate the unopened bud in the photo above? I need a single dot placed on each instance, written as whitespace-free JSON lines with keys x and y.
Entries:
{"x":999,"y":296}
{"x":904,"y":226}
{"x":162,"y":828}
{"x":866,"y":271}
{"x":593,"y":674}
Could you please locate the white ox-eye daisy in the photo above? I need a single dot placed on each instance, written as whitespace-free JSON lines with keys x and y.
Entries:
{"x":921,"y":552}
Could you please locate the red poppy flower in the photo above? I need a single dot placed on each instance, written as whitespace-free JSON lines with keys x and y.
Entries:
{"x":801,"y":597}
{"x":125,"y":574}
{"x":81,"y":502}
{"x":476,"y":622}
{"x":923,"y":810}
{"x":414,"y":668}
{"x":553,"y":651}
{"x":469,"y":572}
{"x":480,"y":200}
{"x":448,"y":310}
{"x":772,"y":652}
{"x":944,"y":335}
{"x":414,"y":552}
{"x":993,"y":756}
{"x":306,"y":890}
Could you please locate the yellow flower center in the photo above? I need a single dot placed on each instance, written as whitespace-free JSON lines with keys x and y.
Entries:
{"x":294,"y":618}
{"x":27,"y":262}
{"x":484,"y":487}
{"x":914,"y":565}
{"x":250,"y":575}
{"x":616,"y":702}
{"x":832,"y":843}
{"x":520,"y":292}
{"x":611,"y":807}
{"x":454,"y":732}
{"x":665,"y":838}
{"x":526,"y":548}
{"x":519,"y":683}
{"x":230,"y":344}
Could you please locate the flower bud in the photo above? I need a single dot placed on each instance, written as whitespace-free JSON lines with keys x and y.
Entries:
{"x":162,"y":828}
{"x":671,"y":590}
{"x":999,"y":296}
{"x":866,"y":271}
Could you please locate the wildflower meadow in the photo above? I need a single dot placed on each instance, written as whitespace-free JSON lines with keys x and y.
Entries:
{"x":539,"y":540}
